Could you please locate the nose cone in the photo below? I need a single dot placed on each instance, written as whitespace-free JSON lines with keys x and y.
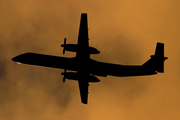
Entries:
{"x":15,"y":59}
{"x":19,"y":58}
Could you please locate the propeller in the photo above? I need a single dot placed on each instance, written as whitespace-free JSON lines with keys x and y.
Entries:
{"x":64,"y":78}
{"x":64,"y":45}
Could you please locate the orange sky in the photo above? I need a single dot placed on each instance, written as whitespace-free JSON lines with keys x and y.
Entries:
{"x":125,"y":31}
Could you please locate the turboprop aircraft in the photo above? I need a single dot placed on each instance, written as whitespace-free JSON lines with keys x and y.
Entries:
{"x":86,"y":69}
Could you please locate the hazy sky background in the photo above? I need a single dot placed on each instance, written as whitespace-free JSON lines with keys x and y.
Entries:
{"x":125,"y":31}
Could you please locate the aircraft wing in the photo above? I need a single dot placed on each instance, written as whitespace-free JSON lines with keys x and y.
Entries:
{"x":83,"y":88}
{"x":83,"y":40}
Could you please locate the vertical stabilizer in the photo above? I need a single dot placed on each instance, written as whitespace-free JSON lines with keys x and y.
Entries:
{"x":156,"y":63}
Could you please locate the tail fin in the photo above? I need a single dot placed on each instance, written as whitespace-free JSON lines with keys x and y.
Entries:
{"x":156,"y":62}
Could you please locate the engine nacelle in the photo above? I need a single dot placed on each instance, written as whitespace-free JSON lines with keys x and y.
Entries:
{"x":80,"y":76}
{"x":74,"y":48}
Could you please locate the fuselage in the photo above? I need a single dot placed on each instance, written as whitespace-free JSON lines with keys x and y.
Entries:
{"x":87,"y":65}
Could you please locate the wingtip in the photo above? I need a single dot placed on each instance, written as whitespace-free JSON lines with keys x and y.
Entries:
{"x":84,"y":103}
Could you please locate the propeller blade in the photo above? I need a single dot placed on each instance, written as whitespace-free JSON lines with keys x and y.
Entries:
{"x":64,"y":78}
{"x":64,"y":45}
{"x":63,"y":51}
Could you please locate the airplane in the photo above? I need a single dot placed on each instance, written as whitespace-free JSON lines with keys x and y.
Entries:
{"x":86,"y":69}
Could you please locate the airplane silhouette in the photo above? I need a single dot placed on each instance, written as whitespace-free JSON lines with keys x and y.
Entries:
{"x":86,"y":67}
